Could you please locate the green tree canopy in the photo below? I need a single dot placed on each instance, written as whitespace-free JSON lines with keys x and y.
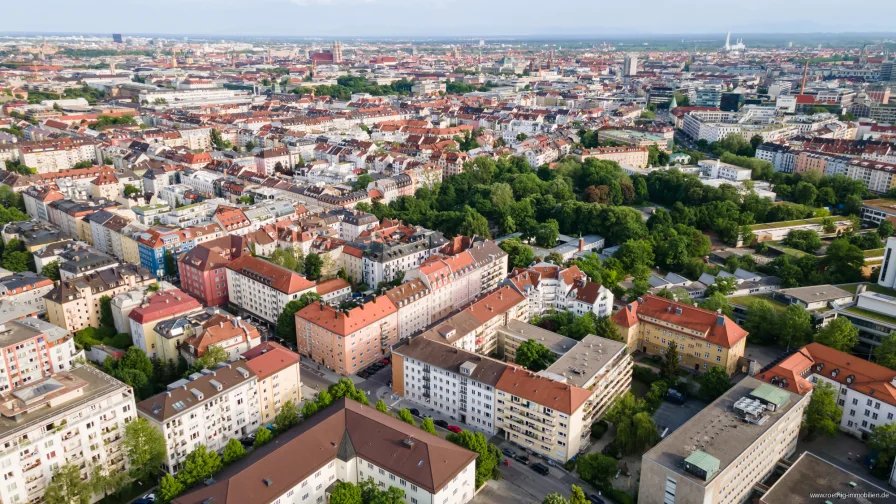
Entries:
{"x":169,"y":488}
{"x":714,"y":383}
{"x":288,"y":416}
{"x":262,"y":437}
{"x":671,"y":361}
{"x":66,"y":487}
{"x":233,"y":451}
{"x":489,"y":454}
{"x":199,"y":465}
{"x":405,"y":416}
{"x":838,"y":334}
{"x":822,"y":415}
{"x":313,"y":266}
{"x":885,"y":353}
{"x":145,"y":448}
{"x":429,"y":426}
{"x":534,"y":356}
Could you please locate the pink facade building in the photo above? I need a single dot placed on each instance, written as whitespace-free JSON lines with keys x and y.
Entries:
{"x":202,"y":269}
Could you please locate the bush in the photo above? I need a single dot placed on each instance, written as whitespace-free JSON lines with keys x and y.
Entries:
{"x":570,"y":465}
{"x":645,"y":375}
{"x":616,"y":495}
{"x":89,"y":336}
{"x":598,"y":429}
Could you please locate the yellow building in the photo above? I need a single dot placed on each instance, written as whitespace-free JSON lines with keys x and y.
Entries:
{"x":278,"y":377}
{"x":705,"y":338}
{"x":130,"y":251}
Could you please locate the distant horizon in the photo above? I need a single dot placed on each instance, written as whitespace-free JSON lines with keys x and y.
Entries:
{"x":441,"y":19}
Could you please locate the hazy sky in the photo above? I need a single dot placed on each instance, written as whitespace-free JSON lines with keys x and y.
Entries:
{"x":422,"y":18}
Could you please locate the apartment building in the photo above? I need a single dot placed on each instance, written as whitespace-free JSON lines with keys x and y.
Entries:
{"x":58,"y":154}
{"x":346,"y":442}
{"x":31,"y":350}
{"x":347,"y":341}
{"x":866,"y":392}
{"x":214,"y":328}
{"x":475,"y":328}
{"x":268,"y":161}
{"x":154,"y":308}
{"x":209,"y":408}
{"x":203,"y":272}
{"x":71,"y":417}
{"x":877,"y":175}
{"x":455,"y":383}
{"x":413,"y":302}
{"x":155,"y":243}
{"x":549,"y":287}
{"x":635,"y":157}
{"x":780,"y":156}
{"x":22,"y":295}
{"x":262,"y":288}
{"x":75,"y":304}
{"x":705,"y":338}
{"x":279,"y":381}
{"x":725,"y":449}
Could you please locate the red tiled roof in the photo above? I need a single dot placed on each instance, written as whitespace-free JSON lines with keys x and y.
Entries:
{"x":163,"y":305}
{"x":281,"y":279}
{"x":269,"y":358}
{"x":718,"y":329}
{"x":344,"y":324}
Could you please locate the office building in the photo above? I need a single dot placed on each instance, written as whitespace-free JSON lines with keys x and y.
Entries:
{"x":72,"y":417}
{"x":630,"y":65}
{"x":705,"y":338}
{"x":208,"y":408}
{"x":724,"y":450}
{"x":346,"y":442}
{"x":812,"y":475}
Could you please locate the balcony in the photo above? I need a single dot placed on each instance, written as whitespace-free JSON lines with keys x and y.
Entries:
{"x":32,"y":466}
{"x":531,"y":422}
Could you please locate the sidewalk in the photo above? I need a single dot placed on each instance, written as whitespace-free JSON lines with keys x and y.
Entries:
{"x":309,"y":366}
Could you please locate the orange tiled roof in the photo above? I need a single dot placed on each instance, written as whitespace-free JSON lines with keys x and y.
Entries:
{"x":718,"y":329}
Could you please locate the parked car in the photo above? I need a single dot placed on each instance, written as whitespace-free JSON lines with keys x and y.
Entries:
{"x":248,"y":440}
{"x":522,"y":459}
{"x":415,"y":412}
{"x":508,"y":452}
{"x":441,"y":423}
{"x":455,"y":429}
{"x":674,"y":396}
{"x":540,"y":468}
{"x":594,"y":499}
{"x":384,"y":362}
{"x":143,"y":500}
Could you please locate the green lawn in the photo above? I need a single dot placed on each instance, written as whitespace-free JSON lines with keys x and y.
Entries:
{"x":873,"y":287}
{"x":872,"y":315}
{"x":787,"y":250}
{"x":746,"y":301}
{"x":799,"y":222}
{"x":874,"y":253}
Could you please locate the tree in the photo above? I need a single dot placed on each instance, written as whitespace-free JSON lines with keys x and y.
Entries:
{"x":723,"y":285}
{"x":250,"y":145}
{"x":596,"y":468}
{"x":885,"y":353}
{"x":885,"y":229}
{"x":287,"y":417}
{"x":382,"y":407}
{"x":346,"y":493}
{"x":106,"y":318}
{"x":133,"y":368}
{"x":883,"y":439}
{"x":405,"y":416}
{"x":546,"y":233}
{"x":714,"y":383}
{"x":371,"y":493}
{"x":554,"y":498}
{"x":671,"y":359}
{"x":606,"y":328}
{"x":822,"y":414}
{"x":104,"y":481}
{"x":429,"y":426}
{"x":66,"y":487}
{"x":233,"y":451}
{"x":839,"y":334}
{"x":313,"y":266}
{"x":262,"y":437}
{"x":521,"y":137}
{"x":762,"y":322}
{"x":145,"y":448}
{"x":519,"y":254}
{"x":489,"y":454}
{"x":795,"y":327}
{"x":363,"y":181}
{"x":169,"y":488}
{"x":843,"y":262}
{"x":803,"y":239}
{"x":199,"y":465}
{"x":286,"y":321}
{"x":130,"y":190}
{"x":715,"y":302}
{"x":534,"y":356}
{"x":51,"y":271}
{"x":214,"y":354}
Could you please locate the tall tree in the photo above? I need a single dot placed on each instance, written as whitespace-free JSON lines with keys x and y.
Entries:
{"x":795,"y":327}
{"x":199,"y":465}
{"x":313,"y":266}
{"x":106,"y":318}
{"x":263,"y":436}
{"x":145,"y":448}
{"x":839,"y":334}
{"x":534,"y":356}
{"x":822,"y":415}
{"x":287,"y":417}
{"x":51,"y":271}
{"x":169,"y":488}
{"x":489,"y":454}
{"x":233,"y":451}
{"x":596,"y":468}
{"x":885,"y":229}
{"x":762,"y":322}
{"x":671,"y":360}
{"x":714,"y":383}
{"x":883,"y":439}
{"x":885,"y":353}
{"x":286,"y":321}
{"x":66,"y":487}
{"x":346,"y":493}
{"x":405,"y":416}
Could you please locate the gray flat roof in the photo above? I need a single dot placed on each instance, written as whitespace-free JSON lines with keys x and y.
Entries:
{"x":816,"y":293}
{"x":98,"y":384}
{"x":812,"y":475}
{"x":586,"y":359}
{"x":557,"y":343}
{"x":718,"y":431}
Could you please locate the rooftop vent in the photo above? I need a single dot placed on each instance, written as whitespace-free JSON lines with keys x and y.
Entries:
{"x":409,"y":442}
{"x":268,"y":482}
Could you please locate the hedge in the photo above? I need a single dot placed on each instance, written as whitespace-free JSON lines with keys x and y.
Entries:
{"x":645,"y":375}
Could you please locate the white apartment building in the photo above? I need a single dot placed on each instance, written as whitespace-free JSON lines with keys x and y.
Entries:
{"x":73,"y":417}
{"x":51,"y":156}
{"x":549,"y":287}
{"x":352,"y":443}
{"x":208,"y":409}
{"x":865,"y":390}
{"x":413,"y":299}
{"x":455,"y":383}
{"x":707,"y":460}
{"x":32,"y":350}
{"x":262,"y":288}
{"x":202,"y":180}
{"x":877,"y":176}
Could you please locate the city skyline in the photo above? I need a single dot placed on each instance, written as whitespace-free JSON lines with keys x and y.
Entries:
{"x":432,"y":18}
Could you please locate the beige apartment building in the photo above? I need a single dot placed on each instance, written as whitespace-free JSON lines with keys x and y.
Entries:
{"x":624,"y":156}
{"x":75,"y":304}
{"x":724,"y":450}
{"x":705,"y":338}
{"x":277,"y":369}
{"x":347,"y":341}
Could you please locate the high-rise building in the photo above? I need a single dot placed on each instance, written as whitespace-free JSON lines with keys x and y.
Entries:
{"x":888,"y":70}
{"x":631,"y":65}
{"x":116,"y":38}
{"x":337,"y":52}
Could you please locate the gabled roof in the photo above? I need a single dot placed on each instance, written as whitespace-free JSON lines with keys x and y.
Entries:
{"x":718,"y":328}
{"x":542,"y":390}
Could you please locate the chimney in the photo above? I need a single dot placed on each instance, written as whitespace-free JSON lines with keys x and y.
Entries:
{"x":581,"y":244}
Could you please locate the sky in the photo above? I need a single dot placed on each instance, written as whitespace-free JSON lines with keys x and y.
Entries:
{"x":439,"y":18}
